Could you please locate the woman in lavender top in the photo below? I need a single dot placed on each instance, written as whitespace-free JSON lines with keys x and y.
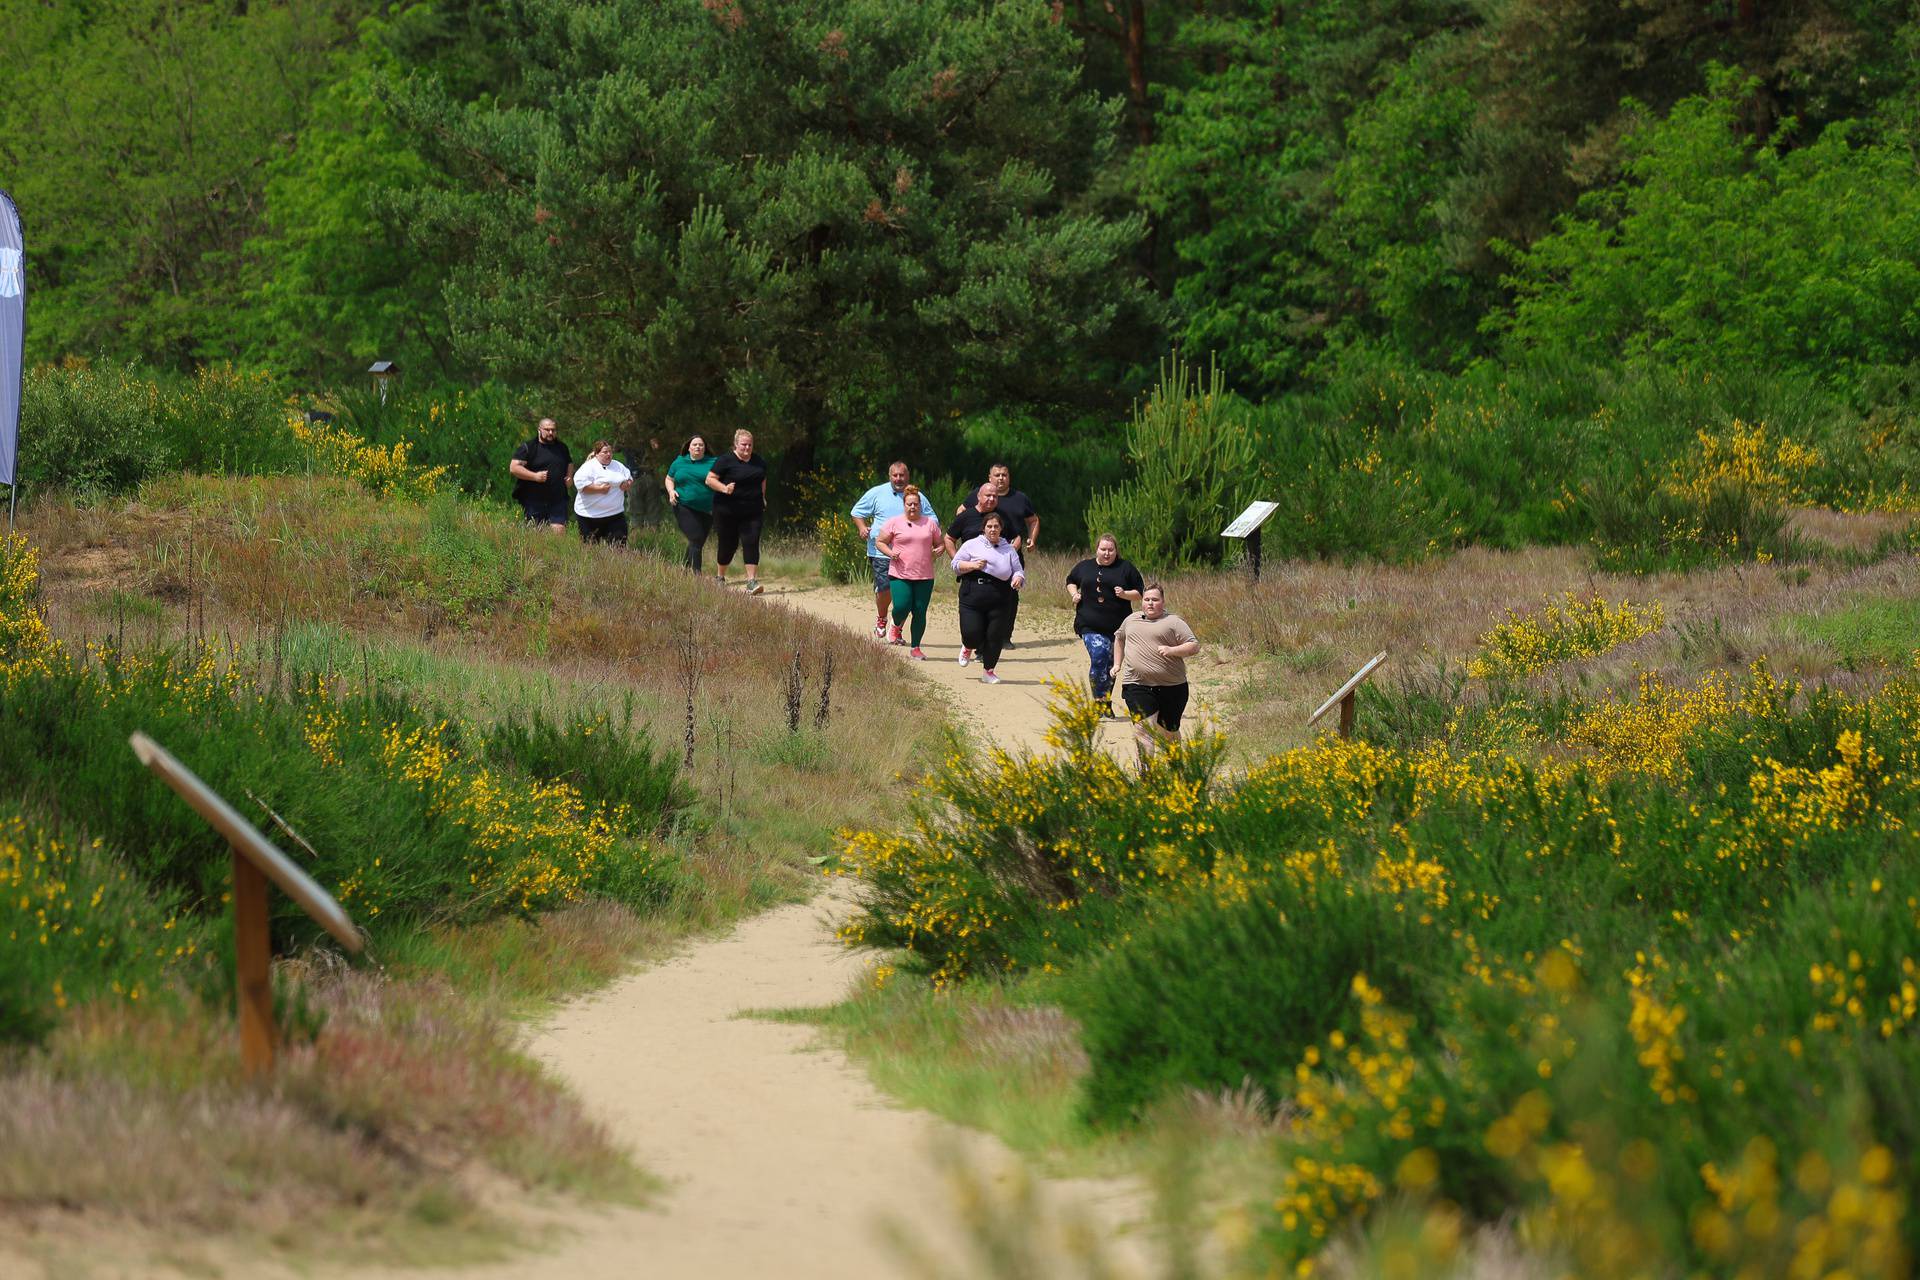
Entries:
{"x":990,"y":572}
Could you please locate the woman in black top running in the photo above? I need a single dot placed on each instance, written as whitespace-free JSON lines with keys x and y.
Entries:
{"x":1103,"y":590}
{"x":739,"y":484}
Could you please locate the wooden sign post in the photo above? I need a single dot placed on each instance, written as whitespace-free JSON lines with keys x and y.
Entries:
{"x":1247,"y":525}
{"x":1345,"y":696}
{"x":255,"y":862}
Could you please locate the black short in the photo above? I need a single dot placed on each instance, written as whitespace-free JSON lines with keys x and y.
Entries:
{"x":1164,"y":702}
{"x":545,"y":511}
{"x":612,"y":529}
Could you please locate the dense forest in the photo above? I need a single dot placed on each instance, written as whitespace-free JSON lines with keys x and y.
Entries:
{"x":866,"y":226}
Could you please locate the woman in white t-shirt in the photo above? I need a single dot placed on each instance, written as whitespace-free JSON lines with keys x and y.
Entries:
{"x":600,"y":496}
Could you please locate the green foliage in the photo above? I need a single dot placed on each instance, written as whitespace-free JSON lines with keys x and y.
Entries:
{"x":334,"y":283}
{"x":1867,"y":631}
{"x":137,"y":132}
{"x":76,"y":923}
{"x":780,"y":215}
{"x":1193,"y":456}
{"x":1464,"y":968}
{"x":1215,"y":995}
{"x":104,"y":428}
{"x":843,"y":552}
{"x":1717,"y":249}
{"x":470,"y":430}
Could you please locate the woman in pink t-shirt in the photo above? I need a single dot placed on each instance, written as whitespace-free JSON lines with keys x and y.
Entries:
{"x":910,"y":542}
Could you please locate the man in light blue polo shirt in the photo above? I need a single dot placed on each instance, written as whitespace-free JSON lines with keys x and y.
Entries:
{"x":877,"y":506}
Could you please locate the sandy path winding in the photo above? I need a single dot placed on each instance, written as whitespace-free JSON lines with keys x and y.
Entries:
{"x":781,"y":1158}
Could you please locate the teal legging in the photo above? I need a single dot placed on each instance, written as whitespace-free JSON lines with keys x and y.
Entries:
{"x":910,"y":596}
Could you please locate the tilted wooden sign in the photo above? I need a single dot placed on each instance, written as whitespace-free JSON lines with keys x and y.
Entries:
{"x":1247,"y":525}
{"x":1344,"y":697}
{"x":255,"y":861}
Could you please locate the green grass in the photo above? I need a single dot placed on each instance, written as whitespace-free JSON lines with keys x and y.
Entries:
{"x":1866,"y":630}
{"x":984,"y":1055}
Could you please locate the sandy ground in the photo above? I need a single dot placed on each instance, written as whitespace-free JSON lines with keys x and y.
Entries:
{"x":780,"y":1158}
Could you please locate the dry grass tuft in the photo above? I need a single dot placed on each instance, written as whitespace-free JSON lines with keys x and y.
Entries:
{"x":389,"y":1119}
{"x":1038,"y":1040}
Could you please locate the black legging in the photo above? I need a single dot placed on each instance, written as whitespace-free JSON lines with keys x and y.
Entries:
{"x":986,"y":615}
{"x":732,"y":530}
{"x":695,"y":525}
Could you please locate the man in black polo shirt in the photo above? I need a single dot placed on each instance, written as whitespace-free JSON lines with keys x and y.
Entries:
{"x":1023,"y":521}
{"x":542,"y":470}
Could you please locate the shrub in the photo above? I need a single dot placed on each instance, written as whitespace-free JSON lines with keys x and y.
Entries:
{"x":76,"y":924}
{"x":403,"y":812}
{"x":1615,"y":983}
{"x":1572,"y":628}
{"x":1193,"y":459}
{"x":1217,"y":994}
{"x":93,"y":429}
{"x":843,"y":552}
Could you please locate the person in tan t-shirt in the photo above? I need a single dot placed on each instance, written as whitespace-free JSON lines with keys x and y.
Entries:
{"x":1151,"y":649}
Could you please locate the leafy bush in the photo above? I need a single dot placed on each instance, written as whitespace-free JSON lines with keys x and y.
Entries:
{"x":1215,"y":995}
{"x":1502,"y":977}
{"x":1715,"y":249}
{"x":843,"y":552}
{"x":75,"y":924}
{"x":1193,"y":460}
{"x":90,"y":428}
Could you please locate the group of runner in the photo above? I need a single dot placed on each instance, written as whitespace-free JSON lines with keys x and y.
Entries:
{"x":984,"y":541}
{"x":724,"y":495}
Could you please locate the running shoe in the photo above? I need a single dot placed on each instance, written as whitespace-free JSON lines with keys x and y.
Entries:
{"x":880,"y":630}
{"x":915,"y":653}
{"x":966,"y":656}
{"x":754,"y":588}
{"x":989,"y":678}
{"x":897,"y":638}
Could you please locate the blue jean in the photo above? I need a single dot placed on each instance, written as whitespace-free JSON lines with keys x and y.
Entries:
{"x":1099,"y":664}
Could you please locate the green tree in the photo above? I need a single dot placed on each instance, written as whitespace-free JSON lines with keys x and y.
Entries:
{"x":136,"y":140}
{"x":824,"y":220}
{"x":1719,"y":250}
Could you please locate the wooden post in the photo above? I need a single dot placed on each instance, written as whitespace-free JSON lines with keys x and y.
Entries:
{"x":1253,"y":553}
{"x":253,"y":959}
{"x":1347,"y":696}
{"x":255,"y":863}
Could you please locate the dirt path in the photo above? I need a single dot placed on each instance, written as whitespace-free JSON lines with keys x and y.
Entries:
{"x":780,"y":1158}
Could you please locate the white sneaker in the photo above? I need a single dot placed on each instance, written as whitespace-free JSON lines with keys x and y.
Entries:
{"x":879,"y":631}
{"x":989,"y":678}
{"x":966,"y":656}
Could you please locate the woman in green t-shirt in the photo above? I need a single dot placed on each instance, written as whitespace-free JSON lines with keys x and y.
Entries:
{"x":691,"y":500}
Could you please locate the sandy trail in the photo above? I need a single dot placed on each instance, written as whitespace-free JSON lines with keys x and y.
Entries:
{"x":781,"y":1158}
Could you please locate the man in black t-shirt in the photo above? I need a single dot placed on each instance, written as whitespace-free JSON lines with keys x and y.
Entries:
{"x":542,"y":470}
{"x":1023,"y":520}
